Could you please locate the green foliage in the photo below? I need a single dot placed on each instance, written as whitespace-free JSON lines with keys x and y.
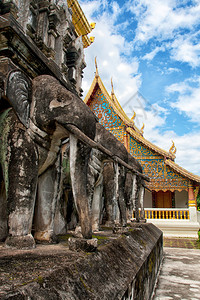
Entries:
{"x":198,"y":201}
{"x":40,"y":280}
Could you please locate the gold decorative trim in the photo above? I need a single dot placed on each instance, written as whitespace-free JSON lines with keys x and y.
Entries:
{"x":145,"y":142}
{"x":81,"y":24}
{"x":172,"y":149}
{"x":129,"y":123}
{"x":92,"y":25}
{"x":142,"y":129}
{"x":133,"y":117}
{"x":182,"y":171}
{"x":112,"y":92}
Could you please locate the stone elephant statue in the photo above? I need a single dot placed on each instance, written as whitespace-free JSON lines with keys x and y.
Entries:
{"x":31,"y":131}
{"x":133,"y":190}
{"x":95,"y":177}
{"x":109,"y":178}
{"x":129,"y":192}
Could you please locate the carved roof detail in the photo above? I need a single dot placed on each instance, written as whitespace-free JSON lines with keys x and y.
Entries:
{"x":182,"y":171}
{"x":81,"y":24}
{"x":130,"y":128}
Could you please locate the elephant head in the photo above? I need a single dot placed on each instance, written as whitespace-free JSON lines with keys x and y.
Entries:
{"x":46,"y":102}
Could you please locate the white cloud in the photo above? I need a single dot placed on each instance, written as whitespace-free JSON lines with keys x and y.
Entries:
{"x":188,"y":99}
{"x":188,"y":148}
{"x":171,"y":70}
{"x":185,"y":49}
{"x":167,"y":22}
{"x":109,"y":48}
{"x":152,"y":54}
{"x":161,"y":19}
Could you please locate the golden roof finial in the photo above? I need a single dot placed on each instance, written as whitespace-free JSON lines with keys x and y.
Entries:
{"x":142,"y":129}
{"x":112,"y":92}
{"x":92,"y":38}
{"x":92,"y":25}
{"x":133,"y":117}
{"x":97,"y":72}
{"x":172,"y":149}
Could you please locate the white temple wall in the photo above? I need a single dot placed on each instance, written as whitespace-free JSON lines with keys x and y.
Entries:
{"x":147,"y":199}
{"x":181,"y":199}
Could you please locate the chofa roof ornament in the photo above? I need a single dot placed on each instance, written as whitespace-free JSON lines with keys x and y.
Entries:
{"x":142,"y":129}
{"x":172,"y":149}
{"x":97,"y":72}
{"x":112,"y":91}
{"x":133,"y":117}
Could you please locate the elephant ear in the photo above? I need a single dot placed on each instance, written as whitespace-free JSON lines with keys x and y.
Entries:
{"x":18,"y":91}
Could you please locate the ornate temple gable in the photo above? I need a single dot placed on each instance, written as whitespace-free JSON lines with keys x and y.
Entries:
{"x":137,"y":149}
{"x":182,"y":171}
{"x":149,"y":145}
{"x":107,"y":116}
{"x":157,"y":163}
{"x":113,"y":102}
{"x":163,"y":177}
{"x":130,"y":128}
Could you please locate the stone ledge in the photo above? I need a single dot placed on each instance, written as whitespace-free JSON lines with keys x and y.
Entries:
{"x":126,"y":265}
{"x":78,"y":244}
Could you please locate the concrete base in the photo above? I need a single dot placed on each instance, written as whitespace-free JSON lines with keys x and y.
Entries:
{"x":124,"y":267}
{"x":177,"y":228}
{"x":20,"y":242}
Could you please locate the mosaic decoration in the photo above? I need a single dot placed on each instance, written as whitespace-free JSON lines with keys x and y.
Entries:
{"x":140,"y":151}
{"x":163,"y":177}
{"x":107,"y":116}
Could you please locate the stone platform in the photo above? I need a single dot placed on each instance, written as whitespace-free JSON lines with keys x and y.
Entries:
{"x":123,"y":266}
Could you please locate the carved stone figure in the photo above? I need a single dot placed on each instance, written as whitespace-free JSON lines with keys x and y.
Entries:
{"x":132,"y":189}
{"x":129,"y":191}
{"x":37,"y":114}
{"x":96,"y":163}
{"x":31,"y":133}
{"x":113,"y":181}
{"x":43,"y":113}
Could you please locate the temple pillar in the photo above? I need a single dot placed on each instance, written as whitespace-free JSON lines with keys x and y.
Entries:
{"x":126,"y":141}
{"x":142,"y":216}
{"x":192,"y":205}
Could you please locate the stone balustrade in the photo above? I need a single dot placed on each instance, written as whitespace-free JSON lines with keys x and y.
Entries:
{"x":165,"y":213}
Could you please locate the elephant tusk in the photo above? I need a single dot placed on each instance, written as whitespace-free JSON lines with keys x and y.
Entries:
{"x":85,"y":139}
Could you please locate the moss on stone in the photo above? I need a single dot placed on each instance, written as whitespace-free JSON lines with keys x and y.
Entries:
{"x":5,"y":125}
{"x":40,"y":280}
{"x":64,"y":237}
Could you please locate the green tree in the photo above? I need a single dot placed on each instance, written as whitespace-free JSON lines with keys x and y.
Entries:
{"x":198,"y":201}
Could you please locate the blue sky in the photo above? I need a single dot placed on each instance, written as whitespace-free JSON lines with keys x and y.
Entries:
{"x":151,"y":50}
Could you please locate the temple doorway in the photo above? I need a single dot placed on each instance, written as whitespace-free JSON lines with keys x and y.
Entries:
{"x":163,"y":199}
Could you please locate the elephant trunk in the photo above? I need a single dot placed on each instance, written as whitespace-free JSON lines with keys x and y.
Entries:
{"x":79,"y":156}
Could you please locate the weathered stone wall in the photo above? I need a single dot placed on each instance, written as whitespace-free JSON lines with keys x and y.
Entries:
{"x":125,"y":268}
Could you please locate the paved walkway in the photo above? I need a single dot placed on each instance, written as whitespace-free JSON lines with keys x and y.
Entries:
{"x":180,"y":274}
{"x":181,"y":243}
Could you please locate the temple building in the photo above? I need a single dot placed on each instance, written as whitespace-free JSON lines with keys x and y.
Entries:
{"x":170,"y":196}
